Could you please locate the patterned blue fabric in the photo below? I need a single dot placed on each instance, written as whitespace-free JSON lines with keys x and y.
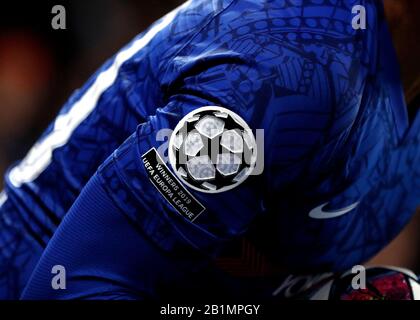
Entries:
{"x":328,"y":97}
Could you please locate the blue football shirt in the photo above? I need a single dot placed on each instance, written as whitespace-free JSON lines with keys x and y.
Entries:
{"x":341,"y":169}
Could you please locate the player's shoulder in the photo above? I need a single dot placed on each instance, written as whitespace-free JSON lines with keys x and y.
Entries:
{"x":298,"y":62}
{"x":294,"y":42}
{"x":288,"y":57}
{"x":267,"y":32}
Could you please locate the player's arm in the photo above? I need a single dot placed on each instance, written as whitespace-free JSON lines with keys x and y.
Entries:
{"x":92,"y":124}
{"x":96,"y":119}
{"x":41,"y":188}
{"x":122,"y":238}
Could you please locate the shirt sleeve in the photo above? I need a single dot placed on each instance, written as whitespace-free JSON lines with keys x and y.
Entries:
{"x":94,"y":121}
{"x":122,"y":237}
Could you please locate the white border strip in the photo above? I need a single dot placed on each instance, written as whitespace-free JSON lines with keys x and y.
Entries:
{"x":39,"y":158}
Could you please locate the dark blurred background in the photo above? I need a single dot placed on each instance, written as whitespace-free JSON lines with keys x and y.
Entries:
{"x":40,"y":67}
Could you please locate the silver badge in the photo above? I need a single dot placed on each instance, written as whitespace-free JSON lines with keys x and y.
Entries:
{"x":212,"y":150}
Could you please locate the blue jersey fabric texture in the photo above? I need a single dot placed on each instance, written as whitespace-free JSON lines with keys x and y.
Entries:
{"x":330,"y":102}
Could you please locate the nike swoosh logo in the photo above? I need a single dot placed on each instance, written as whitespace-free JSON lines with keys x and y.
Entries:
{"x":319,"y":213}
